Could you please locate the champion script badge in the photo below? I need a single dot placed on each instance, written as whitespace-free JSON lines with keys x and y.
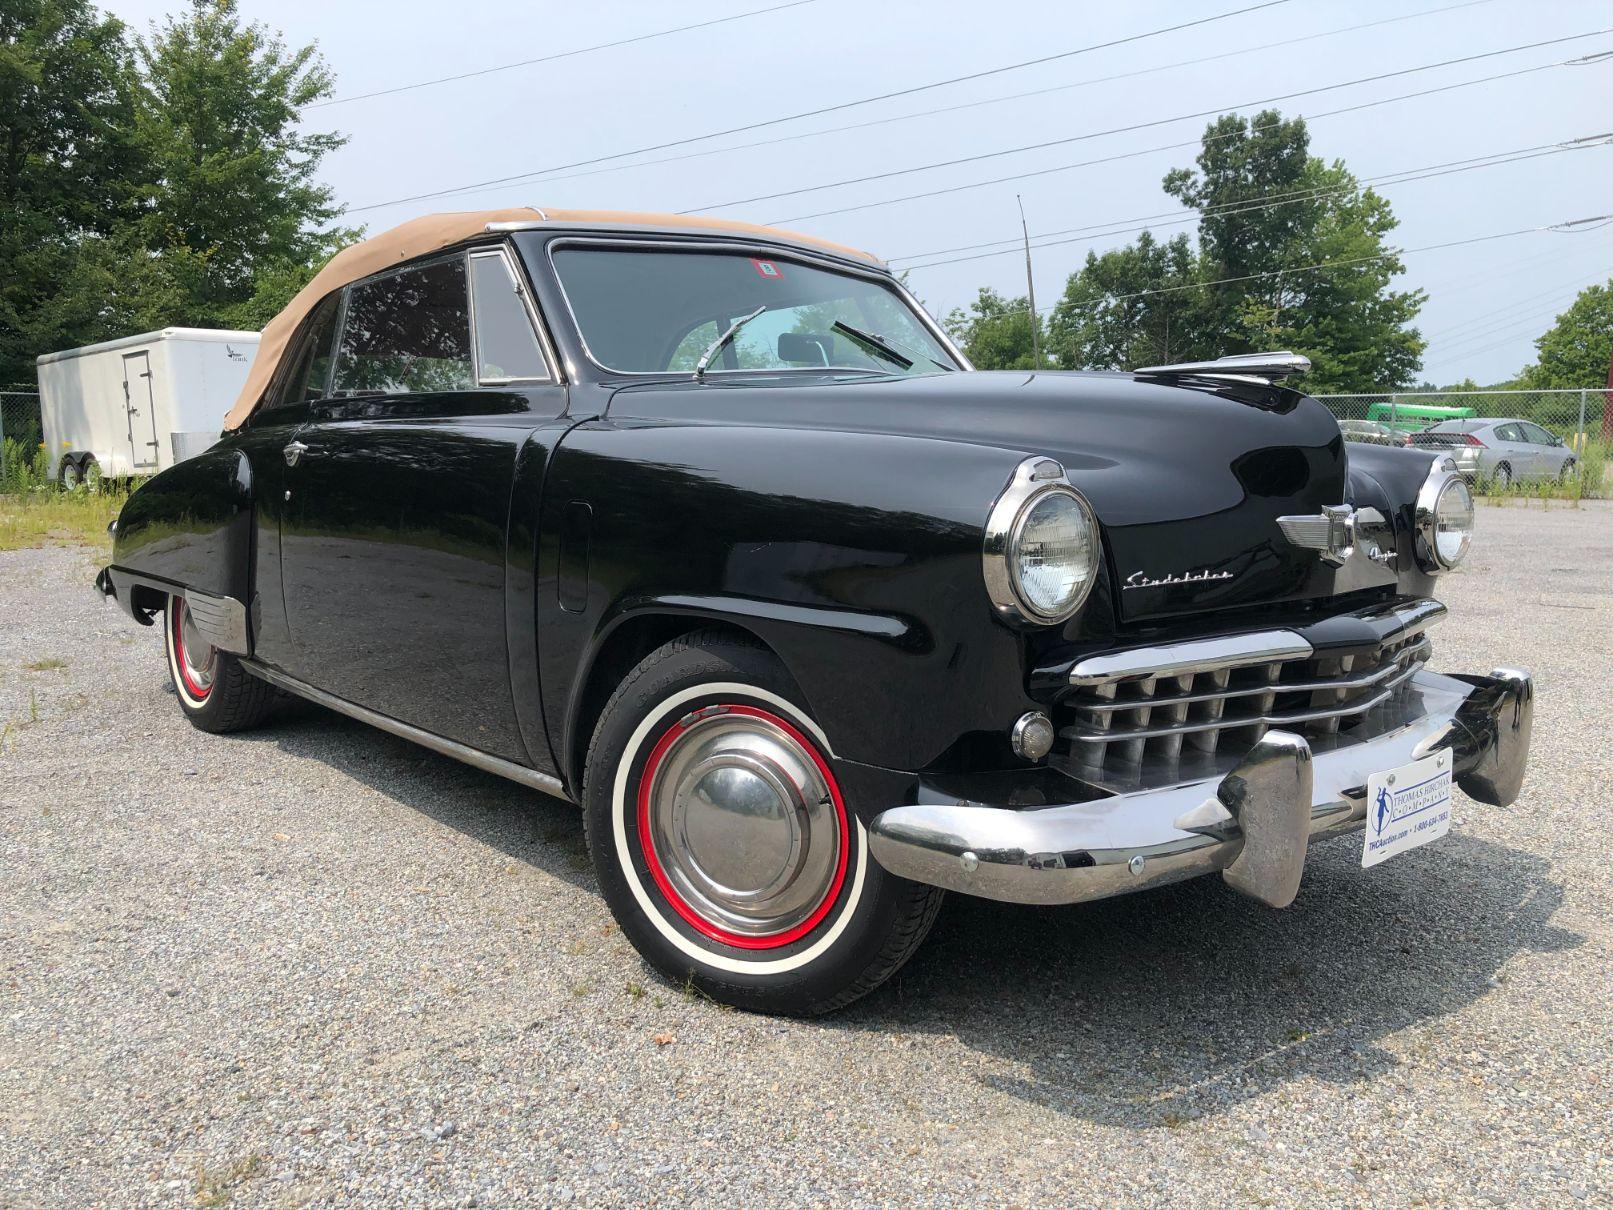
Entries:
{"x":1141,"y":579}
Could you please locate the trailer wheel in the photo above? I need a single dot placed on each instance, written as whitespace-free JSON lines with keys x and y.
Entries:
{"x":69,"y":474}
{"x":214,"y":691}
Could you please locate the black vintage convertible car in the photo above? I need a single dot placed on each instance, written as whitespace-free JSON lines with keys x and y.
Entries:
{"x":710,"y":529}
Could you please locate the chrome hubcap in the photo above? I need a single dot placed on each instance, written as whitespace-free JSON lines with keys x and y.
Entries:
{"x":743,"y":823}
{"x":195,"y":652}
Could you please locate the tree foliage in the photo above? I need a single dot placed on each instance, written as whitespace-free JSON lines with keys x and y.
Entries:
{"x":1252,"y":280}
{"x":995,"y":332}
{"x":1575,"y":350}
{"x":158,"y":180}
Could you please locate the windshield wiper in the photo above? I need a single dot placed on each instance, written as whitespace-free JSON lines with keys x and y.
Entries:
{"x":716,"y":346}
{"x":882,"y":345}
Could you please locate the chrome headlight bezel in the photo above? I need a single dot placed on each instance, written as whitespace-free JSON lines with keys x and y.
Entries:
{"x":1033,"y":480}
{"x":1442,"y":476}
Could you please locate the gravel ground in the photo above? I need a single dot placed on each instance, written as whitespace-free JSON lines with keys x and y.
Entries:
{"x":316,"y":964}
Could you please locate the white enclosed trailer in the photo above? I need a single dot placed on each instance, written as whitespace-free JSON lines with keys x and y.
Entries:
{"x":138,"y":405}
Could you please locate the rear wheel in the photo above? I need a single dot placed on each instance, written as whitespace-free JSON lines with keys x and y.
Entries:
{"x":216,"y":693}
{"x":724,"y":845}
{"x":1502,"y":479}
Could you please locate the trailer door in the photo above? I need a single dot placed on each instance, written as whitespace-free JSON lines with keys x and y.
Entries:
{"x":140,"y":404}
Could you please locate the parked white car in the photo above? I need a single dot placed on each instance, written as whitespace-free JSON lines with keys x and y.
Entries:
{"x":137,"y":405}
{"x":1500,"y":452}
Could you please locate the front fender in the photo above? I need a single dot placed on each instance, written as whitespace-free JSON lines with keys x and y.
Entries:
{"x":855,"y":557}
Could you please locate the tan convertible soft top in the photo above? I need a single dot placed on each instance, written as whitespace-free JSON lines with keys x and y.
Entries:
{"x":432,"y":231}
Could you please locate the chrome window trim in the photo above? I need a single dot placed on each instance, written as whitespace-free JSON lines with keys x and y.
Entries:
{"x":740,"y":246}
{"x":463,"y":254}
{"x":1033,"y":478}
{"x":501,"y":253}
{"x":1426,"y":515}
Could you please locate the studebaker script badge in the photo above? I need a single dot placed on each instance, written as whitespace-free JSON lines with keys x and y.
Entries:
{"x":1141,"y":579}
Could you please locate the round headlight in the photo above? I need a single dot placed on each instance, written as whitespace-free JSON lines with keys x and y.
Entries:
{"x":1444,"y":518}
{"x":1453,"y":523}
{"x":1052,"y":555}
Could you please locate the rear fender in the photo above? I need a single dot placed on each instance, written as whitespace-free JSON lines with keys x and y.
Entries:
{"x":188,"y":528}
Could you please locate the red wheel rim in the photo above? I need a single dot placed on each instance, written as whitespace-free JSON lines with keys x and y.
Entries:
{"x":197,"y":688}
{"x":658,"y":873}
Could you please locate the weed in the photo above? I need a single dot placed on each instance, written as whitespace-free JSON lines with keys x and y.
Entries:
{"x":48,"y":664}
{"x":581,"y":988}
{"x":48,"y":517}
{"x":216,"y":1188}
{"x":635,"y":990}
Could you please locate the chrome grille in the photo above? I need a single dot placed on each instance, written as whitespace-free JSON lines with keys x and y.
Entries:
{"x":1168,"y":715}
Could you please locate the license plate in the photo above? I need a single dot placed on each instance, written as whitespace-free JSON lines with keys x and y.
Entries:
{"x":1407,"y":807}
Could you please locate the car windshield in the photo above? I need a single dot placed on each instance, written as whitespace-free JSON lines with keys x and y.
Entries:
{"x":652,"y":311}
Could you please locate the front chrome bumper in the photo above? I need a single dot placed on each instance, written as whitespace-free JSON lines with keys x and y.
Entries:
{"x":1254,"y":824}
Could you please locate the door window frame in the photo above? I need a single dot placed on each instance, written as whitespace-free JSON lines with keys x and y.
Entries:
{"x":463,"y":256}
{"x":523,"y":292}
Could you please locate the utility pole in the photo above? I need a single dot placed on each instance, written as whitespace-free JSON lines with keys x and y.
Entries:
{"x":1030,"y":289}
{"x":1607,"y":402}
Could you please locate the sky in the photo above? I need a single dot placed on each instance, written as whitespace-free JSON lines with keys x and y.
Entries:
{"x":1487,"y":301}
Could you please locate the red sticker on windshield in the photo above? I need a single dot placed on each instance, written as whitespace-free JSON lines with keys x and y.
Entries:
{"x":767,"y":268}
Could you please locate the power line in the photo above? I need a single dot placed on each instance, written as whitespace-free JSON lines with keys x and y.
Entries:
{"x":1272,"y":198}
{"x":1584,"y":223}
{"x":1254,"y":205}
{"x":1201,"y":113}
{"x":1473,"y":323}
{"x":1131,"y":155}
{"x":826,"y":109}
{"x":548,"y":175}
{"x":1483,"y":333}
{"x":565,"y":54}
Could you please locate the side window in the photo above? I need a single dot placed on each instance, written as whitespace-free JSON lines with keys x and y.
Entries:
{"x":407,"y":332}
{"x":506,"y":345}
{"x":1508,"y":432}
{"x":311,"y":373}
{"x":1536,"y":434}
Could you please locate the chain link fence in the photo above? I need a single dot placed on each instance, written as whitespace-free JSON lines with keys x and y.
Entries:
{"x":1536,"y":443}
{"x":22,"y":460}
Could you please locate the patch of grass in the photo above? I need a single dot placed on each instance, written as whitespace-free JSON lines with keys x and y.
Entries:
{"x":47,"y":517}
{"x":635,"y":990}
{"x":216,"y":1187}
{"x":48,"y":664}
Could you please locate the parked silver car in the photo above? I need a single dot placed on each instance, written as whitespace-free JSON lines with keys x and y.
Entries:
{"x":1500,"y":452}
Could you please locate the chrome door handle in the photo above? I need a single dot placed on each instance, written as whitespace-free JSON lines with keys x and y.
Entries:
{"x":294,"y":452}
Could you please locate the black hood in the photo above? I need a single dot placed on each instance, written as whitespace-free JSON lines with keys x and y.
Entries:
{"x":1187,"y":483}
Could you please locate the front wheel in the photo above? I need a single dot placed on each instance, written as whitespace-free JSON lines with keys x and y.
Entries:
{"x":724,"y":845}
{"x":215,"y":692}
{"x":69,"y":474}
{"x":1567,"y":472}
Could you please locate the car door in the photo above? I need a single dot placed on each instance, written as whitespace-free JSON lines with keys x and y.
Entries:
{"x":1544,"y":450}
{"x":1510,"y":449}
{"x":398,"y":496}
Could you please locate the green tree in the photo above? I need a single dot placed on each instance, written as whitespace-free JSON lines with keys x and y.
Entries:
{"x":1253,"y":281}
{"x":1574,"y":351}
{"x":1132,"y":306}
{"x":239,"y":217}
{"x":69,"y":166}
{"x":995,"y":332}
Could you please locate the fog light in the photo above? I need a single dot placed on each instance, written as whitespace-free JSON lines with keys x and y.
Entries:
{"x":1032,"y":736}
